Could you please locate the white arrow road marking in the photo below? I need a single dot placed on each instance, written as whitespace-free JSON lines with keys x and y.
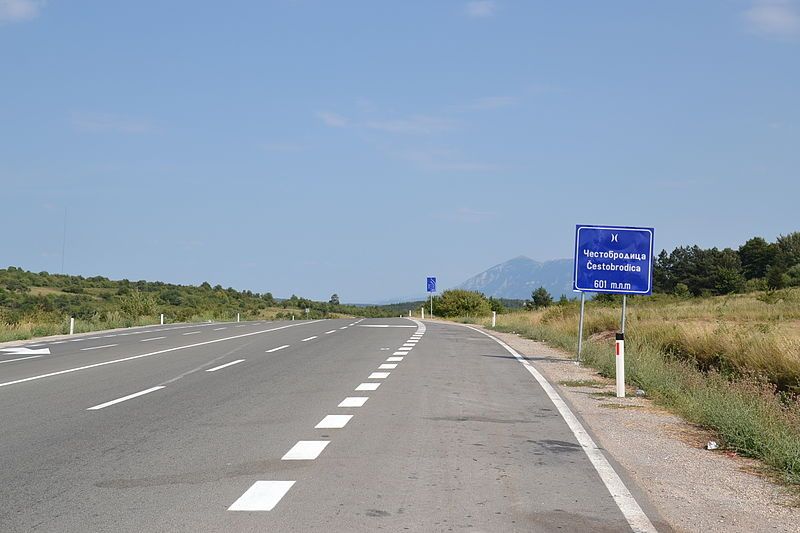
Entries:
{"x":26,"y":351}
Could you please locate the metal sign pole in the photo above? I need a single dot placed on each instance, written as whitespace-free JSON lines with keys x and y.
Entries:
{"x":580,"y":326}
{"x":620,"y":353}
{"x":624,"y":302}
{"x":431,"y":305}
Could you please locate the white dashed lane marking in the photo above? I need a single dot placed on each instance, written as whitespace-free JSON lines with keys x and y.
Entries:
{"x":354,"y":401}
{"x":309,"y":338}
{"x":125,"y":398}
{"x":329,"y":332}
{"x":401,"y":353}
{"x":262,"y":496}
{"x":191,"y":333}
{"x":388,"y":366}
{"x":152,"y":339}
{"x":368,"y":386}
{"x":305,"y":450}
{"x":20,"y":359}
{"x":394,"y":359}
{"x":278,"y":348}
{"x":220,"y":367}
{"x":333,"y":422}
{"x":98,"y":347}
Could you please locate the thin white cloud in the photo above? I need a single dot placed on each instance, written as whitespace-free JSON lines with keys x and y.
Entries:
{"x":91,"y":122}
{"x":332,"y":119}
{"x":774,"y":18}
{"x":480,"y":9}
{"x":413,"y":124}
{"x":19,"y":10}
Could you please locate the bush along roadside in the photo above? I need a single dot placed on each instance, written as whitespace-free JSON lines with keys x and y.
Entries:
{"x":750,"y":415}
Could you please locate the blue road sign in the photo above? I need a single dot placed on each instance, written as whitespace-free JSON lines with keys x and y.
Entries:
{"x":614,"y":259}
{"x":431,"y":284}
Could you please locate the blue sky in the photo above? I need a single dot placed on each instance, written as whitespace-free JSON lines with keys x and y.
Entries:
{"x":313,"y":147}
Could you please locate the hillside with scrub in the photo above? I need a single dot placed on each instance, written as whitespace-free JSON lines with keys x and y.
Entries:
{"x":40,"y":304}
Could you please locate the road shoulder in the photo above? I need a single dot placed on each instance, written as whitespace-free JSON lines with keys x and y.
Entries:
{"x":692,"y":489}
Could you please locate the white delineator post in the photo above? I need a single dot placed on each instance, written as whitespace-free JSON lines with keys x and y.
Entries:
{"x":620,"y":351}
{"x":162,"y":319}
{"x":71,"y":325}
{"x":409,"y":312}
{"x":494,"y":318}
{"x":237,"y":317}
{"x":423,"y":312}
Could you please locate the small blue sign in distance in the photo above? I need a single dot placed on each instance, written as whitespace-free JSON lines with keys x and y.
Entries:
{"x":613,"y":259}
{"x":431,"y":284}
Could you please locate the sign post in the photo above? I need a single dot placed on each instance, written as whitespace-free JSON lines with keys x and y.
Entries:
{"x":613,"y":260}
{"x":431,"y":283}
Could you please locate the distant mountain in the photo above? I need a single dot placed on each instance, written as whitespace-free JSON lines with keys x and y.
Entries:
{"x":520,"y":276}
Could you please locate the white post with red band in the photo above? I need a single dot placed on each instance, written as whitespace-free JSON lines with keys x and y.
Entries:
{"x":620,"y":350}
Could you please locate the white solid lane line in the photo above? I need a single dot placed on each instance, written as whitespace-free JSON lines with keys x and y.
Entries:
{"x":278,"y":348}
{"x":379,"y":375}
{"x":333,"y":422}
{"x":368,"y":386}
{"x":150,"y":354}
{"x":226,"y":364}
{"x":152,"y":339}
{"x":20,"y":359}
{"x":394,"y":359}
{"x":98,"y":347}
{"x":262,"y":496}
{"x":124,"y":398}
{"x":305,"y":450}
{"x":191,"y":333}
{"x":388,"y":366}
{"x":634,"y":514}
{"x":309,"y":338}
{"x":354,"y":401}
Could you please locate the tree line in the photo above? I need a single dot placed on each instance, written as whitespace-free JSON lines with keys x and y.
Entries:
{"x":755,"y":265}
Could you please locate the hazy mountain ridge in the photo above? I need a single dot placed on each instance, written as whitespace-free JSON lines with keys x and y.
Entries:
{"x":520,"y":276}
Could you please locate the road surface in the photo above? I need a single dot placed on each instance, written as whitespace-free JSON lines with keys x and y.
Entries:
{"x":332,"y":425}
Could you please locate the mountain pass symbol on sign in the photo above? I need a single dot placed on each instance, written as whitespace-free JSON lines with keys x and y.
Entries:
{"x":431,"y":284}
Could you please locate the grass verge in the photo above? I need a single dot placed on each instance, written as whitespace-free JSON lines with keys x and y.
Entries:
{"x":752,"y":415}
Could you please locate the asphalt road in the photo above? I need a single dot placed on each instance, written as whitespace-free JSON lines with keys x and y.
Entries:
{"x":261,"y":427}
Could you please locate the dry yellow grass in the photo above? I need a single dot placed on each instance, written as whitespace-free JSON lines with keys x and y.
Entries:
{"x":742,"y":334}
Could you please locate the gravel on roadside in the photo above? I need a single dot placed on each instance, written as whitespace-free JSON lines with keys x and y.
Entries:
{"x":693,"y":489}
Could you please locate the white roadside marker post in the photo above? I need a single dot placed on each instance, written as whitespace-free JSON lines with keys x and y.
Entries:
{"x":423,"y":312}
{"x":494,"y":318}
{"x":71,"y":325}
{"x":162,"y":319}
{"x":620,"y":349}
{"x":237,"y":317}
